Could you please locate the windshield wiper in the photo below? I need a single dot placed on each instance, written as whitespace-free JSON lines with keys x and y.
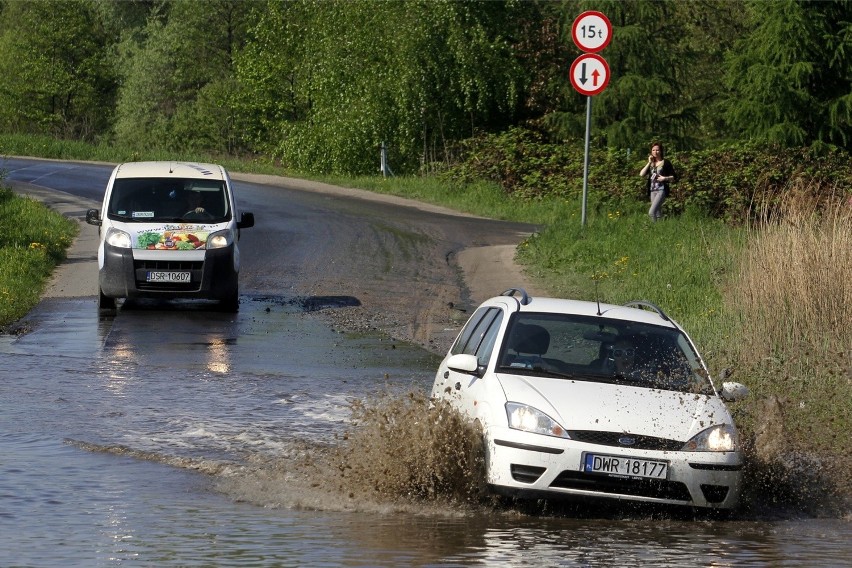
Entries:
{"x":537,"y":370}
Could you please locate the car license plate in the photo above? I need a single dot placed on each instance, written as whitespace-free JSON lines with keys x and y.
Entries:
{"x":159,"y":276}
{"x":624,"y":466}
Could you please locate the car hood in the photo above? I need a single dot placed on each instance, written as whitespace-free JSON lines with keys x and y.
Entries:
{"x":586,"y":405}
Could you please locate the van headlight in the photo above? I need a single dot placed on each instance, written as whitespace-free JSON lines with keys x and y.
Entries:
{"x":529,"y":419}
{"x":719,"y":438}
{"x":118,"y":239}
{"x":220,"y":239}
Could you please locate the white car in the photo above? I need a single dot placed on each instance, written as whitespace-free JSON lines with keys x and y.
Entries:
{"x":581,"y":399}
{"x":169,"y":230}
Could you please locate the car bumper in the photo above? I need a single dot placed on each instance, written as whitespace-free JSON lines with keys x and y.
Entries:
{"x":524,"y":464}
{"x":213,"y":275}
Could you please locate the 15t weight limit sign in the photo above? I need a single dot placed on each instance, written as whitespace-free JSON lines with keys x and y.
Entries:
{"x":589,"y":74}
{"x":592,"y":31}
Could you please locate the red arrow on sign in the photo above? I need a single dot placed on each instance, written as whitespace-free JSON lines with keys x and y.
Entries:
{"x":589,"y":74}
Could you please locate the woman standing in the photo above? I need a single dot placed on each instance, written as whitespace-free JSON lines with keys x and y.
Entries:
{"x":660,"y":172}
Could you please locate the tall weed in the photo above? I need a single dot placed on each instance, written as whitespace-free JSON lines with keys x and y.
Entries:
{"x":792,"y":301}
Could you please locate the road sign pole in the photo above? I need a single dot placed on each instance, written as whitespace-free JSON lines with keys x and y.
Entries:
{"x":591,"y":32}
{"x":586,"y":160}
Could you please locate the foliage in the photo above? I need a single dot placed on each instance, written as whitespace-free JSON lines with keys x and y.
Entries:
{"x":56,"y":69}
{"x":348,"y":80}
{"x":791,"y":77}
{"x":318,"y":85}
{"x":33,"y":240}
{"x":178,"y":77}
{"x":665,"y":63}
{"x":730,"y":182}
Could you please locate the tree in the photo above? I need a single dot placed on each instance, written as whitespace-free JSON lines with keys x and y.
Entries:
{"x":665,"y":63}
{"x":56,"y":68}
{"x":178,"y":84}
{"x":336,"y":78}
{"x":792,"y":76}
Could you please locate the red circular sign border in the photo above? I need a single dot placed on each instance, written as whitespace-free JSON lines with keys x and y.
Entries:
{"x":576,"y":23}
{"x":606,"y":80}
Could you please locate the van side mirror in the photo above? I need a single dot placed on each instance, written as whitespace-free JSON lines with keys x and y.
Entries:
{"x":246,"y":221}
{"x":93,"y":217}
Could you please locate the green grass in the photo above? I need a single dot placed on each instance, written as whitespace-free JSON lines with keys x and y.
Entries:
{"x":33,"y":240}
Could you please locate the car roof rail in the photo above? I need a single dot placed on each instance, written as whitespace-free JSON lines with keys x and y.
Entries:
{"x":525,"y":298}
{"x":645,"y":304}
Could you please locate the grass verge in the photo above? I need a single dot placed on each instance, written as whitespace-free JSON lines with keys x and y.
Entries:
{"x":33,"y":240}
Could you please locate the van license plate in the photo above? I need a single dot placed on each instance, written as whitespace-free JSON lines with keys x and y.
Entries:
{"x":620,"y":466}
{"x":159,"y":276}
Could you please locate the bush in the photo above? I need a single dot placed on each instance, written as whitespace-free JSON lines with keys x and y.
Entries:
{"x":734,"y":182}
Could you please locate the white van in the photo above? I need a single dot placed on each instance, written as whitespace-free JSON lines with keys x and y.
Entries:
{"x":169,"y":230}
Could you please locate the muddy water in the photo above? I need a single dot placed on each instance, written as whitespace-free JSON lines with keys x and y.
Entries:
{"x":175,"y":436}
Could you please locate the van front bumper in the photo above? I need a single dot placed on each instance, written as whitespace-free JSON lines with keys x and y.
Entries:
{"x":213,"y":275}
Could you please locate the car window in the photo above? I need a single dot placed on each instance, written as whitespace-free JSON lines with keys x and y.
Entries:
{"x":154,"y":200}
{"x":489,"y":338}
{"x":602,"y":349}
{"x":478,"y":332}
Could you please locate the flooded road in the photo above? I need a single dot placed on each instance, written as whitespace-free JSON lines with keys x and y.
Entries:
{"x":170,"y":435}
{"x":112,"y":453}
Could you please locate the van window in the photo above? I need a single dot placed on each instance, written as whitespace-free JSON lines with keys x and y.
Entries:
{"x":158,"y":200}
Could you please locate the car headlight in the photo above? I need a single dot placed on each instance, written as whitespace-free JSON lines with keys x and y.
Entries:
{"x":719,"y":438}
{"x":220,"y":239}
{"x":529,"y":419}
{"x":118,"y":239}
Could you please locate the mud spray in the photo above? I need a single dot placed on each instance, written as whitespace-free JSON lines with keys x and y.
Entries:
{"x":402,"y":453}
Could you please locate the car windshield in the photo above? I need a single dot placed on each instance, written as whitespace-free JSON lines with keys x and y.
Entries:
{"x":159,"y":200}
{"x":603,"y":350}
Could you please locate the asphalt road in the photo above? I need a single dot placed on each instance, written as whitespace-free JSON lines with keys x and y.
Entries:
{"x":411,"y":270}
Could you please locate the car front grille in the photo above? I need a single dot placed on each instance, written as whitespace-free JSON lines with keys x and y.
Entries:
{"x":141,"y":267}
{"x":168,"y":265}
{"x":654,"y":488}
{"x":618,"y":439}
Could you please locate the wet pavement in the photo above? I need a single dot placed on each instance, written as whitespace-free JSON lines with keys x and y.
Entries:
{"x":174,"y":435}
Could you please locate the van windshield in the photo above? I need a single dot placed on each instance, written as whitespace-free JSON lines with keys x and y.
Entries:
{"x":158,"y":200}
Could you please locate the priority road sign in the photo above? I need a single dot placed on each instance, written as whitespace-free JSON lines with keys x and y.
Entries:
{"x":589,"y":74}
{"x":592,"y":31}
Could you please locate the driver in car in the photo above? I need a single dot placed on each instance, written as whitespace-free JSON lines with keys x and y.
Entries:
{"x":624,"y":357}
{"x":194,"y":202}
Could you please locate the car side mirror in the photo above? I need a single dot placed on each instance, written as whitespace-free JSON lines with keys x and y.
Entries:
{"x":733,"y":392}
{"x":93,"y":217}
{"x":464,"y":363}
{"x":246,"y":221}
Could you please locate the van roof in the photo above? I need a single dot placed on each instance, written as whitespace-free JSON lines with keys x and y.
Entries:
{"x":165,"y":169}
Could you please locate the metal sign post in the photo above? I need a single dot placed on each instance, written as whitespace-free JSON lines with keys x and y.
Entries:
{"x":592,"y":31}
{"x":586,"y":161}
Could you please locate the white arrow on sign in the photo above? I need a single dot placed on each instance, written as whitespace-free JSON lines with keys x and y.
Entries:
{"x":589,"y":74}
